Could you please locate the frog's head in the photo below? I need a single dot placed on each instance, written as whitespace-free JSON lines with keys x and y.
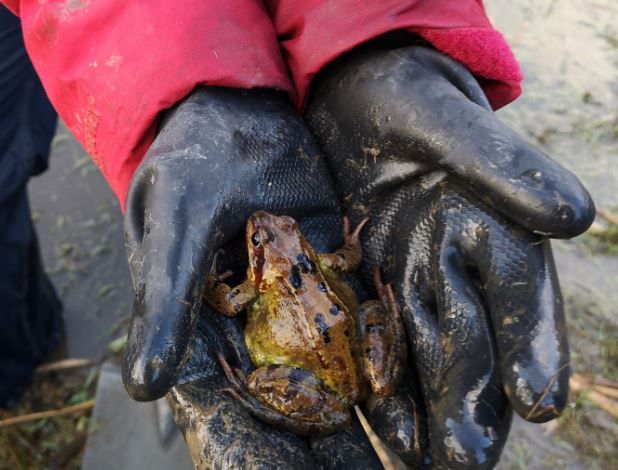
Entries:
{"x":274,"y":243}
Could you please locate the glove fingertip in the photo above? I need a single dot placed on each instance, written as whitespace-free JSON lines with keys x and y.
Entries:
{"x":571,"y":216}
{"x":399,"y":424}
{"x":536,"y":396}
{"x":148,"y":379}
{"x":157,"y":346}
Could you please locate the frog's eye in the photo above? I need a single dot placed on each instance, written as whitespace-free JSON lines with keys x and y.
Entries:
{"x":255,"y":239}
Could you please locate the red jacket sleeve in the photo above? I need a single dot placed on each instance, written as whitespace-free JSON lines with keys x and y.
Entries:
{"x":111,"y":66}
{"x":315,"y":32}
{"x":12,"y":5}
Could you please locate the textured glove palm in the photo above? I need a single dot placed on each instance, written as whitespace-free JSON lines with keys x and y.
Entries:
{"x":220,"y":155}
{"x":454,"y":199}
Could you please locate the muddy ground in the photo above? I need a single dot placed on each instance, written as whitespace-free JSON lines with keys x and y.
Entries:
{"x":569,"y":54}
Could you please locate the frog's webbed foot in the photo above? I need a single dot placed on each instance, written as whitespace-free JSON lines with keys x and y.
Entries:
{"x":384,"y":339}
{"x":287,"y":397}
{"x":350,"y":256}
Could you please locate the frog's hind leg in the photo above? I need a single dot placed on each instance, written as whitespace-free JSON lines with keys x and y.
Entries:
{"x":287,"y":397}
{"x":383,"y":340}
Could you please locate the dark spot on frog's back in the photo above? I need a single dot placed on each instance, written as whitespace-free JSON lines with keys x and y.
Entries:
{"x":322,"y":287}
{"x":334,"y":310}
{"x":296,"y":279}
{"x":323,"y":327}
{"x":299,"y":375}
{"x":306,"y":265}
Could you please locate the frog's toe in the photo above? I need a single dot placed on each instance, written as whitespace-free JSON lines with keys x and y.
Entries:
{"x":235,"y":376}
{"x":223,"y":276}
{"x":353,"y":237}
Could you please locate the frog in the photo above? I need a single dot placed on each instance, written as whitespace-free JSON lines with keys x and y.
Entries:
{"x":317,"y":351}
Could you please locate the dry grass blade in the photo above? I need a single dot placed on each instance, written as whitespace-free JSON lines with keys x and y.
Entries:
{"x":601,"y":381}
{"x":597,"y":229}
{"x":610,"y":392}
{"x":68,"y":452}
{"x":63,"y":365}
{"x":84,"y":406}
{"x":609,"y":388}
{"x":377,"y":444}
{"x":605,"y":403}
{"x":608,"y":216}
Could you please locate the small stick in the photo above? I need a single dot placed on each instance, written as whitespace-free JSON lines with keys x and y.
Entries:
{"x":609,"y":392}
{"x":64,"y":364}
{"x":597,"y":229}
{"x":376,"y":443}
{"x":608,"y":216}
{"x":84,"y":406}
{"x":68,"y":452}
{"x":606,"y":404}
{"x":596,"y":380}
{"x":606,"y":387}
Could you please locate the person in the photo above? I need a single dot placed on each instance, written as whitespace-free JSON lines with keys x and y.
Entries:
{"x":200,"y":114}
{"x":30,"y":311}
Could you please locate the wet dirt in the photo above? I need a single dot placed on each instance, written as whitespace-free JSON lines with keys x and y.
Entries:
{"x":80,"y":230}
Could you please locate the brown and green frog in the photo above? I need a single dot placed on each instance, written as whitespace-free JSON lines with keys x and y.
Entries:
{"x":317,"y":352}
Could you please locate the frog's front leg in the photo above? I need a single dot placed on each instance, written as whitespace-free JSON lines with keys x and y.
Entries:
{"x":228,"y":300}
{"x":383,"y":340}
{"x":349,"y":257}
{"x":289,"y":398}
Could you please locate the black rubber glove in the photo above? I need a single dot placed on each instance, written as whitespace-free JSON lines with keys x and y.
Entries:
{"x":220,"y":155}
{"x":456,"y":202}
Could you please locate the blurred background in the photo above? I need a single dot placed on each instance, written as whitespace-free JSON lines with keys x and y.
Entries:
{"x":569,"y":53}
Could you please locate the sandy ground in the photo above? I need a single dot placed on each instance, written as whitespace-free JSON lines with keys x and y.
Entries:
{"x":569,"y":53}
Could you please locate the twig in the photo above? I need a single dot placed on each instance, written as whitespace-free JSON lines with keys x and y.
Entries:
{"x":68,"y":452}
{"x":377,"y":444}
{"x":610,"y":392}
{"x":606,"y":404}
{"x":64,"y":364}
{"x":592,"y":380}
{"x":607,"y":387}
{"x":597,"y":229}
{"x":550,"y":384}
{"x":608,"y":216}
{"x":84,"y":406}
{"x":600,"y":381}
{"x":24,"y":441}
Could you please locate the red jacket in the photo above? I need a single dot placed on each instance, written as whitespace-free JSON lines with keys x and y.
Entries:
{"x":111,"y":66}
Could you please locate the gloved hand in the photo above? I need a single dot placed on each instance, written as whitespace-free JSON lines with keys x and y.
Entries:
{"x":458,"y":207}
{"x":220,"y":155}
